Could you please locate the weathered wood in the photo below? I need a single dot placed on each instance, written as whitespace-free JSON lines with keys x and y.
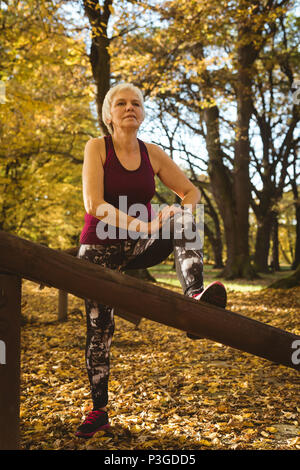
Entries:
{"x":87,"y":280}
{"x":10,"y":323}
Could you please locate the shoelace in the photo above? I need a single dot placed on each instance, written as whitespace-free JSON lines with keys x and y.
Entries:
{"x":92,"y":416}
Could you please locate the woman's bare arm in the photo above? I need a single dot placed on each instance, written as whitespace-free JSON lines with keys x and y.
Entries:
{"x":173,"y":177}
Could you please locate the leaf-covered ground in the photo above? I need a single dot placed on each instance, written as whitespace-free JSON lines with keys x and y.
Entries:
{"x":166,"y":391}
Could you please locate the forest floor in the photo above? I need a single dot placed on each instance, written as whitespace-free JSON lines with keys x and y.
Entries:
{"x":166,"y":392}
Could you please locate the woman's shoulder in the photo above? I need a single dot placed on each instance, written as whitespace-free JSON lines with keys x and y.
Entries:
{"x":97,"y":144}
{"x":155,"y":153}
{"x":155,"y":149}
{"x":100,"y":141}
{"x":151,"y":146}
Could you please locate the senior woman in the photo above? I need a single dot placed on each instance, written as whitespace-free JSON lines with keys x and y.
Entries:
{"x":115,"y":167}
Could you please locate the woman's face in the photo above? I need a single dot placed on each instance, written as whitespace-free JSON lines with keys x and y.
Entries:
{"x":126,"y":110}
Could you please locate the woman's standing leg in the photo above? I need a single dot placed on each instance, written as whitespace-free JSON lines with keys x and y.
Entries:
{"x":100,"y":329}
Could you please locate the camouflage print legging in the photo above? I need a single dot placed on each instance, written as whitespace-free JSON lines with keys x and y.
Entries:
{"x":124,"y":255}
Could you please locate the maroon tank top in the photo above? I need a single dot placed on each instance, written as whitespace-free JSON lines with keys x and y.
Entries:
{"x":138,"y":185}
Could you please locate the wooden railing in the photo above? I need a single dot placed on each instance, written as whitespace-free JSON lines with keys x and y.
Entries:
{"x":21,"y":258}
{"x":62,"y":310}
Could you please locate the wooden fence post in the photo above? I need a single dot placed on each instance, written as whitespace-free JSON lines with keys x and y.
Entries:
{"x":10,"y":326}
{"x":62,"y":305}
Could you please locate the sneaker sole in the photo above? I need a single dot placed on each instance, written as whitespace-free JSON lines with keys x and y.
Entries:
{"x":90,"y":434}
{"x":214,"y":294}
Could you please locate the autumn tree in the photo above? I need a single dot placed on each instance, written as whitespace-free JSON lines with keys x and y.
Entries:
{"x":45,"y":121}
{"x":202,"y":61}
{"x":276,"y":117}
{"x":174,"y":138}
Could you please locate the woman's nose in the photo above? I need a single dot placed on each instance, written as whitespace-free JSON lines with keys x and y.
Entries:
{"x":129,"y":105}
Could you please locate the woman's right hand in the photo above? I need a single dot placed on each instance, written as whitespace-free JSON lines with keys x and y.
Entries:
{"x":155,"y":225}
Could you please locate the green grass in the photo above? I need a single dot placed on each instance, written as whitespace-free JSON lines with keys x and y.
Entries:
{"x":164,"y":273}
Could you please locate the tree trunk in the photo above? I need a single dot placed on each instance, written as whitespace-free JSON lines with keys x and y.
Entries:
{"x":297,"y":247}
{"x":215,"y":237}
{"x":296,"y":260}
{"x":100,"y":61}
{"x":241,"y":180}
{"x":285,"y":255}
{"x":217,"y":246}
{"x":99,"y":56}
{"x":262,"y":243}
{"x":275,"y":243}
{"x":226,"y":195}
{"x":232,"y":189}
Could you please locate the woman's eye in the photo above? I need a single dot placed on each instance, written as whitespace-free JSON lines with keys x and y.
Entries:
{"x":122,"y":103}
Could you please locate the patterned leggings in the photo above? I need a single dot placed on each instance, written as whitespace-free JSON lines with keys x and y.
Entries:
{"x":124,"y":255}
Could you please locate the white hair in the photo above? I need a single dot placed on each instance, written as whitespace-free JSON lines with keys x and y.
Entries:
{"x":106,"y":115}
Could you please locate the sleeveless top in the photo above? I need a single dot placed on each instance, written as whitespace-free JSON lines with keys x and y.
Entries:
{"x":139,"y":187}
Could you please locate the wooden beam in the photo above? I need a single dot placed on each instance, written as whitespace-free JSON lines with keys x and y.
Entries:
{"x":130,"y":317}
{"x":10,"y":323}
{"x":87,"y":280}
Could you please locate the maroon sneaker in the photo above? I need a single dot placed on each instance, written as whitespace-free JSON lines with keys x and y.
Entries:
{"x":214,"y":294}
{"x":96,"y":420}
